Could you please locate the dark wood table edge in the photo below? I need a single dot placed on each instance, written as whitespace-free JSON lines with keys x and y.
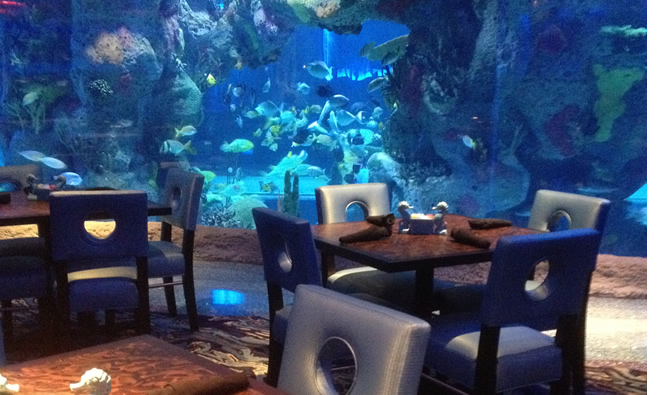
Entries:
{"x":153,"y":341}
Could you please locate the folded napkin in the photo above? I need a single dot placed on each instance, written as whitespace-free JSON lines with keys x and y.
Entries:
{"x":381,"y":220}
{"x":370,"y":234}
{"x":217,"y":385}
{"x":488,"y":223}
{"x":465,"y":236}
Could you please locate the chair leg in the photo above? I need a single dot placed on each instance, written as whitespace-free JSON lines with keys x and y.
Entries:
{"x":274,"y":365}
{"x":7,"y":320}
{"x":143,"y":316}
{"x":170,"y":295}
{"x":190,"y":302}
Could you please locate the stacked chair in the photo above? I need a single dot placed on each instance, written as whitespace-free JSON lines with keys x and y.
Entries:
{"x":333,"y":201}
{"x":495,"y":349}
{"x":166,"y":260}
{"x":24,"y":262}
{"x":100,"y":273}
{"x":387,"y":346}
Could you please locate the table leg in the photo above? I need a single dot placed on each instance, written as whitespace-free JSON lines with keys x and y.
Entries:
{"x":328,"y":266}
{"x":424,"y":291}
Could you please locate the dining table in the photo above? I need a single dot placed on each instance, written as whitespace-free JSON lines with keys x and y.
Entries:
{"x":402,"y":252}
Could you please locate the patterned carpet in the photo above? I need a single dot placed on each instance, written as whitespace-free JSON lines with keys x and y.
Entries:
{"x":241,"y":343}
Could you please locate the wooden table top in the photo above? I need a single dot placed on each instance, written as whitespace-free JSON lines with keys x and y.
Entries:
{"x":403,"y":252}
{"x":136,"y":365}
{"x":21,"y":211}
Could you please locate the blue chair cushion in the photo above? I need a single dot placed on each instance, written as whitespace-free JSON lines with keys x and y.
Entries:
{"x":33,"y":246}
{"x":165,"y":259}
{"x":524,"y":354}
{"x":103,"y":294}
{"x":22,"y":277}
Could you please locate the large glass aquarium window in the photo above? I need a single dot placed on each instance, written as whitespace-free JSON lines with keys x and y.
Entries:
{"x":475,"y":103}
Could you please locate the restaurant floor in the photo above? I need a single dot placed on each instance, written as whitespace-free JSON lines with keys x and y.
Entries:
{"x":616,"y":330}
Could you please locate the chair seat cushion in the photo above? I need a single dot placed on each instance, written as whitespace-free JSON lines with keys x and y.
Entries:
{"x":398,"y":289}
{"x":103,"y":294}
{"x":22,"y":277}
{"x":165,"y":259}
{"x":460,"y":298}
{"x":524,"y":355}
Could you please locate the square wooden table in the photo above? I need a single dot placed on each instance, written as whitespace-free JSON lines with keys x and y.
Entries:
{"x":406,"y":252}
{"x":136,"y":365}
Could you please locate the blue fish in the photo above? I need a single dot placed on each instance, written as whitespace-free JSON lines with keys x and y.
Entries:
{"x":72,"y":179}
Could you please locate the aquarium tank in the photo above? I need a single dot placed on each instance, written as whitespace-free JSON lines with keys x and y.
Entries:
{"x":475,"y":103}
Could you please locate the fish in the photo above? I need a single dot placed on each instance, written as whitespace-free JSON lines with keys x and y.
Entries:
{"x":287,"y":117}
{"x":208,"y":175}
{"x":303,"y":88}
{"x":237,"y":146}
{"x":210,"y":80}
{"x":315,"y":127}
{"x":315,"y":171}
{"x":274,"y":147}
{"x":175,"y":147}
{"x":31,"y":97}
{"x":338,"y":101}
{"x":257,"y":133}
{"x":324,"y":139}
{"x":366,"y":49}
{"x":301,"y":170}
{"x":390,"y":58}
{"x":252,"y":114}
{"x":186,"y":131}
{"x":53,"y":163}
{"x":239,"y":121}
{"x":227,"y":96}
{"x":468,"y":141}
{"x":324,"y":91}
{"x":289,"y":162}
{"x":333,"y":122}
{"x":72,"y":179}
{"x":357,"y":139}
{"x":314,"y":109}
{"x":268,"y":187}
{"x":319,"y":69}
{"x":344,"y":117}
{"x":266,"y":86}
{"x":34,"y":156}
{"x":377,"y":84}
{"x":396,"y":45}
{"x":377,"y":112}
{"x":238,"y":90}
{"x":267,"y":108}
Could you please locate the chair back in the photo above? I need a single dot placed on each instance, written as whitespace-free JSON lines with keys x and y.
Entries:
{"x":70,"y":210}
{"x":182,"y":191}
{"x":571,"y":256}
{"x":288,"y":249}
{"x":17,"y":175}
{"x":333,"y":201}
{"x":579,"y":211}
{"x":387,"y":346}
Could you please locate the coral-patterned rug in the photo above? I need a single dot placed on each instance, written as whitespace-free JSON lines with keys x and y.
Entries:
{"x":241,"y":343}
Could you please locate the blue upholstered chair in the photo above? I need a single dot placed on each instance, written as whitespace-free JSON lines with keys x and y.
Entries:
{"x":492,"y":350}
{"x":95,"y":273}
{"x":332,"y":202}
{"x":387,"y":346}
{"x":289,"y":259}
{"x":24,"y":269}
{"x":182,"y":191}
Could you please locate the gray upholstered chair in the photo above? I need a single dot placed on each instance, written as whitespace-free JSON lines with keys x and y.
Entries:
{"x":96,"y":273}
{"x":491,"y":351}
{"x":387,"y":346}
{"x":166,"y":260}
{"x":24,"y":260}
{"x":332,"y":202}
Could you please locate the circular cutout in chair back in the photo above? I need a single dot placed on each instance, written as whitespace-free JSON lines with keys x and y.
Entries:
{"x":356,"y":211}
{"x":559,"y":220}
{"x":284,"y":260}
{"x":336,"y":366}
{"x":98,"y":226}
{"x":175,"y":199}
{"x":536,"y":287}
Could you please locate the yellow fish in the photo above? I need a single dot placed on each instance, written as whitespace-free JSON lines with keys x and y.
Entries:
{"x":210,"y":80}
